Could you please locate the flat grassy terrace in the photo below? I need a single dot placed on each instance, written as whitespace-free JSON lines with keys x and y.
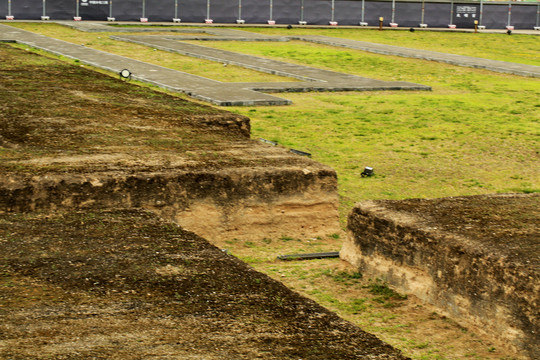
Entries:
{"x":523,"y":49}
{"x":101,"y":41}
{"x":475,"y":133}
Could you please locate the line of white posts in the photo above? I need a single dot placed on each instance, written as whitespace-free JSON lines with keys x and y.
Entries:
{"x":302,"y":20}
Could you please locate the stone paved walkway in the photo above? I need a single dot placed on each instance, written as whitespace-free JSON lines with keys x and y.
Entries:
{"x":237,"y":94}
{"x":459,"y":60}
{"x":219,"y":93}
{"x":240,"y":35}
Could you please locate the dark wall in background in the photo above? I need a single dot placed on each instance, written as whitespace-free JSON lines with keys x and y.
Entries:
{"x":318,"y":12}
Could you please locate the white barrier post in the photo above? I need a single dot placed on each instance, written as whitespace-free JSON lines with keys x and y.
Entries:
{"x":176,"y":19}
{"x":393,"y":23}
{"x":332,"y":21}
{"x":422,"y":24}
{"x":143,"y":18}
{"x":271,"y":20}
{"x":302,"y":21}
{"x":110,"y":17}
{"x":480,"y":26}
{"x":451,"y":25}
{"x":77,"y":17}
{"x":239,"y":20}
{"x":9,"y":16}
{"x":508,"y":26}
{"x":43,"y":16}
{"x":208,"y":20}
{"x":537,"y":27}
{"x":362,"y":22}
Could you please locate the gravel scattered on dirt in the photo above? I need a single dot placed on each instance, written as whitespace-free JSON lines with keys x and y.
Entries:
{"x":123,"y":284}
{"x":57,"y":117}
{"x":506,"y":224}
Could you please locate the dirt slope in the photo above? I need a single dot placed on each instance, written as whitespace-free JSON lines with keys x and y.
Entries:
{"x":126,"y":285}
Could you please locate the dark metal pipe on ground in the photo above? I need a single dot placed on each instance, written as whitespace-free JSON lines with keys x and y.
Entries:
{"x":333,"y":254}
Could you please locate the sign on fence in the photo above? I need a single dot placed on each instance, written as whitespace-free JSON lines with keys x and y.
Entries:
{"x":465,"y":15}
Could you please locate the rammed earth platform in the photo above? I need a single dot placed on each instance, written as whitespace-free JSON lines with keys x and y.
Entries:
{"x":72,"y":138}
{"x":476,"y":258}
{"x":124,"y":284}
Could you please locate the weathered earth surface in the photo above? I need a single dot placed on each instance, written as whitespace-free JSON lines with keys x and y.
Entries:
{"x":124,"y":284}
{"x":81,"y":278}
{"x":476,"y":258}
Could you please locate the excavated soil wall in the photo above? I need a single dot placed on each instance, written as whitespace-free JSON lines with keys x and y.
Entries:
{"x":88,"y":140}
{"x":227,"y":203}
{"x":490,"y":283}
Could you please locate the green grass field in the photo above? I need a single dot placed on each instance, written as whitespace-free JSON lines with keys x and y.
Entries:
{"x":475,"y":133}
{"x":523,"y":49}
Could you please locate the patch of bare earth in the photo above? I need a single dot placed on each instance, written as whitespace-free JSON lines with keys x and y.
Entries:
{"x":126,"y":285}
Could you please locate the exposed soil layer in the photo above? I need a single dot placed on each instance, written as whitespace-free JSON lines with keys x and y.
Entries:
{"x":505,"y":225}
{"x":73,"y":138}
{"x":476,"y":258}
{"x":123,"y":284}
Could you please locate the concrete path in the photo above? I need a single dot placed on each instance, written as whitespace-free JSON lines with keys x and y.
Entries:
{"x":313,"y":79}
{"x":459,"y":60}
{"x":219,"y":93}
{"x":217,"y":33}
{"x":238,"y":94}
